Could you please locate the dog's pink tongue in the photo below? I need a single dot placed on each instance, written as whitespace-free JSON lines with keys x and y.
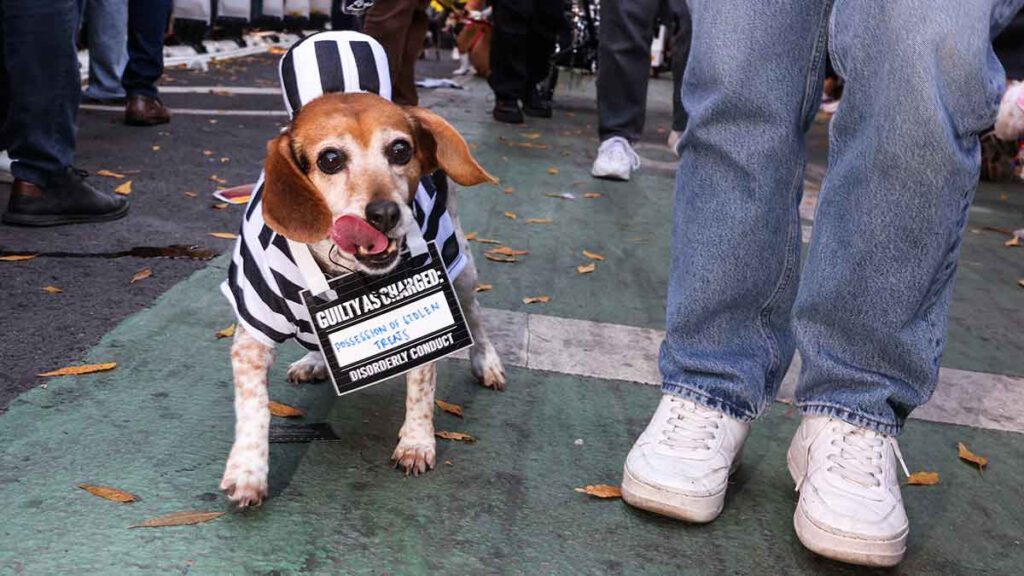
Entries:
{"x":350,"y":232}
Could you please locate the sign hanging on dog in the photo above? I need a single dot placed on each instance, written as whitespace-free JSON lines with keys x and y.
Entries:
{"x":371,"y":328}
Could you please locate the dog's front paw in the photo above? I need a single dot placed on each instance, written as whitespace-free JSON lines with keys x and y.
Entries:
{"x":308,"y":368}
{"x":487,"y":366}
{"x":245,"y":482}
{"x":414,"y":457}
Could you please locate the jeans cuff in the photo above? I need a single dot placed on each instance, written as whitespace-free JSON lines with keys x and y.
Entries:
{"x":704,"y":399}
{"x":855,"y":418}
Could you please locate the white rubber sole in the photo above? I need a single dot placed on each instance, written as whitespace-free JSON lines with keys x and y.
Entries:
{"x":849,"y":549}
{"x":610,"y":175}
{"x":694,"y":509}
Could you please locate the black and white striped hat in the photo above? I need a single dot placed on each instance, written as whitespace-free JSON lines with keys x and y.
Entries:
{"x":341,"y":61}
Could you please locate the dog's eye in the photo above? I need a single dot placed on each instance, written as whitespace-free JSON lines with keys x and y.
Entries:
{"x":330,"y":161}
{"x":399,"y":152}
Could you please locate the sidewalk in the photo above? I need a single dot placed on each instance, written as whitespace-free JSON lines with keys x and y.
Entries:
{"x":160,"y":424}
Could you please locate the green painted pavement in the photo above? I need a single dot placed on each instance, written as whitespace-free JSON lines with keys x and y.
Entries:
{"x":160,"y":426}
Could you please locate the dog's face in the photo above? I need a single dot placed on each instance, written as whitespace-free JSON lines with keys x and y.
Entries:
{"x":346,"y":169}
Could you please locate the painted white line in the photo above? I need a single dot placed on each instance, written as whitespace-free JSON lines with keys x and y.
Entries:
{"x":241,"y":90}
{"x":192,"y":111}
{"x":617,"y":352}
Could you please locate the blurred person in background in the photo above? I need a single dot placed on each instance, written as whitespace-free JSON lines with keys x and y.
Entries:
{"x":401,"y":27}
{"x":522,"y":43}
{"x":39,"y":99}
{"x":105,"y":23}
{"x":147,"y":24}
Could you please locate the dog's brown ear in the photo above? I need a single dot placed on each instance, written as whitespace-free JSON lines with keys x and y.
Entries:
{"x":440,"y":146}
{"x":292,"y":206}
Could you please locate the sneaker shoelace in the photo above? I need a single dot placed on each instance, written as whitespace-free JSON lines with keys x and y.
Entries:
{"x":859,"y":455}
{"x":616,"y":146}
{"x":691,"y":426}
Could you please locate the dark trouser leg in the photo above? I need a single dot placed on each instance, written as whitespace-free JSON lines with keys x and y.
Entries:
{"x":388,"y":22}
{"x":623,"y":66}
{"x":680,"y":54}
{"x":42,"y":68}
{"x":509,"y":47}
{"x":541,"y":46}
{"x":414,"y":38}
{"x":147,"y":22}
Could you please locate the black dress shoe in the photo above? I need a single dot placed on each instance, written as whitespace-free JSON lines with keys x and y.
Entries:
{"x":67,"y":199}
{"x":536,"y":105}
{"x":507,"y":110}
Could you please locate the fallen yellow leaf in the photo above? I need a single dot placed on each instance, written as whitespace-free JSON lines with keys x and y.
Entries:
{"x":510,"y":190}
{"x":1015,"y":241}
{"x":109,"y":174}
{"x":506,"y":251}
{"x":218,"y":179}
{"x":224,"y":235}
{"x":220,"y":206}
{"x":277,"y":50}
{"x":587,"y":269}
{"x":969,"y":456}
{"x":470,"y":236}
{"x":1020,"y":282}
{"x":207,"y":152}
{"x":482,"y":287}
{"x":601,"y":490}
{"x":450,"y":408}
{"x":923,"y":479}
{"x":156,"y":148}
{"x":536,"y":299}
{"x":284,"y":410}
{"x":593,"y":255}
{"x":85,"y":369}
{"x":18,"y":257}
{"x":510,"y":215}
{"x":52,"y":289}
{"x":591,"y":195}
{"x":212,"y":120}
{"x":447,"y":462}
{"x":530,"y":135}
{"x":141,"y":275}
{"x":124,"y":189}
{"x":108,"y":493}
{"x":539,"y":220}
{"x":499,"y":258}
{"x":488,"y":241}
{"x":179,"y":519}
{"x":227,"y":332}
{"x":224,"y":160}
{"x":457,"y":436}
{"x":552,"y":170}
{"x":191,"y":194}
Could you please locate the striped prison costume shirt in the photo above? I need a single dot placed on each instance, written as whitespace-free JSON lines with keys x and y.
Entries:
{"x":263,"y":281}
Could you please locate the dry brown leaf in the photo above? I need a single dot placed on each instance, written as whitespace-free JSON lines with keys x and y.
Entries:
{"x":124,"y":189}
{"x":1020,"y":282}
{"x":531,"y":135}
{"x":109,"y":174}
{"x":284,"y":410}
{"x":277,"y":50}
{"x":212,"y":120}
{"x":224,"y":159}
{"x":141,"y":275}
{"x":179,"y":519}
{"x":207,"y":152}
{"x":470,"y":236}
{"x":52,"y":289}
{"x":220,"y":206}
{"x":539,"y":220}
{"x":587,"y":269}
{"x":108,"y":493}
{"x":506,"y":251}
{"x":529,"y":145}
{"x":536,"y":299}
{"x":458,"y":436}
{"x":499,"y":258}
{"x":449,"y":408}
{"x":592,"y":255}
{"x":483,"y":287}
{"x":488,"y":241}
{"x":218,"y":179}
{"x":226,"y":333}
{"x":85,"y":369}
{"x":191,"y":194}
{"x":552,"y":170}
{"x":510,"y":215}
{"x":1015,"y":241}
{"x":18,"y":257}
{"x":510,"y":190}
{"x":591,"y":195}
{"x":224,"y":235}
{"x":447,"y":462}
{"x":601,"y":490}
{"x":923,"y":479}
{"x":156,"y":148}
{"x":969,"y":456}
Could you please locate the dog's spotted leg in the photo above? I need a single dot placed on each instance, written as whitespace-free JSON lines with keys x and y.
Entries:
{"x":308,"y":368}
{"x":415,"y":452}
{"x":483,"y":358}
{"x":245,"y":475}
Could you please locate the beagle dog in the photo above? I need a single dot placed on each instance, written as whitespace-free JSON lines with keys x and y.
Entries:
{"x":341,"y":179}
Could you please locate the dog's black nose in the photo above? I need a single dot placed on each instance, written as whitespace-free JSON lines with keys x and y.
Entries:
{"x":383,"y":215}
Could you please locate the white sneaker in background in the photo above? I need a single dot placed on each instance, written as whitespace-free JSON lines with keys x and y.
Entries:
{"x":1010,"y":121}
{"x":680,"y":465}
{"x":5,"y":168}
{"x":850,"y":505}
{"x":673,"y":141}
{"x":615,"y":160}
{"x":464,"y":66}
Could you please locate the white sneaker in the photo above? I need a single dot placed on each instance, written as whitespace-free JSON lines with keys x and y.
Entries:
{"x":850,"y":506}
{"x":673,"y":141}
{"x":5,"y":167}
{"x":680,"y":465}
{"x":615,"y":160}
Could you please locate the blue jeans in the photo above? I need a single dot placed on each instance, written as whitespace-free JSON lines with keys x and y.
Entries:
{"x":147,"y":22}
{"x":106,"y":24}
{"x":868,"y":312}
{"x":42,"y":85}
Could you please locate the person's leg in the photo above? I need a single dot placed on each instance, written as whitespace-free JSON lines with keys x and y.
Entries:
{"x":543,"y":30}
{"x":414,"y":37}
{"x":624,"y":58}
{"x":680,"y":54}
{"x":107,"y":30}
{"x":511,"y":34}
{"x":147,"y":22}
{"x":388,"y":22}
